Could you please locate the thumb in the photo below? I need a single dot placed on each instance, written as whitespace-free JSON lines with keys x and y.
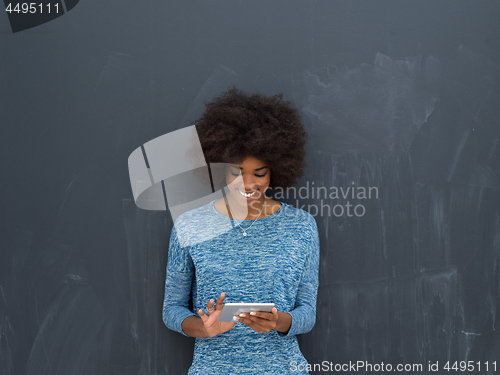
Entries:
{"x":202,"y":315}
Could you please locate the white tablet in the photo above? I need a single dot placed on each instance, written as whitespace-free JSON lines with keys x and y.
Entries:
{"x":231,"y":309}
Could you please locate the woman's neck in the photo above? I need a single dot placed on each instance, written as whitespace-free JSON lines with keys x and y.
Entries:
{"x":252,"y":211}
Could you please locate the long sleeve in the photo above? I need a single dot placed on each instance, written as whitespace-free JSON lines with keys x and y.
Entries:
{"x":276,"y":262}
{"x":304,"y":313}
{"x":179,"y":278}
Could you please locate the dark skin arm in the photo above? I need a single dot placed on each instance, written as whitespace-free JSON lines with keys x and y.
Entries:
{"x":207,"y":325}
{"x":266,"y":321}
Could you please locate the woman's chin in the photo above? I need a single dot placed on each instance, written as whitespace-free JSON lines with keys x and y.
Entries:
{"x":243,"y":201}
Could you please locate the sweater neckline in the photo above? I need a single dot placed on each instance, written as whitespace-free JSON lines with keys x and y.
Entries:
{"x":277,"y":213}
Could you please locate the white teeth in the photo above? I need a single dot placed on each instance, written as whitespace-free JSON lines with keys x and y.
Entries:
{"x":247,"y":195}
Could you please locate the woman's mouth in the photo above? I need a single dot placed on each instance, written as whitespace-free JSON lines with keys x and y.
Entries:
{"x":247,"y":195}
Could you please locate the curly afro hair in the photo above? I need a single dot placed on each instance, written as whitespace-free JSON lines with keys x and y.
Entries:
{"x":236,"y":125}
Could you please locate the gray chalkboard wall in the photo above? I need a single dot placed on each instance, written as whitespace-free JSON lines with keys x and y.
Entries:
{"x":398,"y":96}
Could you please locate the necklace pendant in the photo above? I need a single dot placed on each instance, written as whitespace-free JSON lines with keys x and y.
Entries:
{"x":244,"y":233}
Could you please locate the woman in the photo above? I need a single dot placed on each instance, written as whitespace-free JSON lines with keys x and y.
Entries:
{"x":246,"y":247}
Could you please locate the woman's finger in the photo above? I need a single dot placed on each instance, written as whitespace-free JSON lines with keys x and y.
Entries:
{"x":202,"y":315}
{"x":246,"y":318}
{"x":218,"y":305}
{"x":263,"y":315}
{"x":254,"y":324}
{"x":210,"y":305}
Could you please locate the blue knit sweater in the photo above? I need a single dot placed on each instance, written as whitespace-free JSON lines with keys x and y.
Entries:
{"x":276,"y":262}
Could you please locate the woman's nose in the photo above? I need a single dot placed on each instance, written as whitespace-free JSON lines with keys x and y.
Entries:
{"x":249,"y":183}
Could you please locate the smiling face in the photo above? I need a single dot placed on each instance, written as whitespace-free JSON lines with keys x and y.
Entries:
{"x":247,"y":182}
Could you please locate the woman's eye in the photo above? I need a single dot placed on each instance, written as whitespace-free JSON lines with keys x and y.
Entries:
{"x":257,"y":175}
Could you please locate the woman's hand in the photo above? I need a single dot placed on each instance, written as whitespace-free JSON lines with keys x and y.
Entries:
{"x":266,"y":321}
{"x":212,"y":326}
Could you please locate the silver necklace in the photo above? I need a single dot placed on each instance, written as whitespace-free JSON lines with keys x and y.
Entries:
{"x":245,"y":230}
